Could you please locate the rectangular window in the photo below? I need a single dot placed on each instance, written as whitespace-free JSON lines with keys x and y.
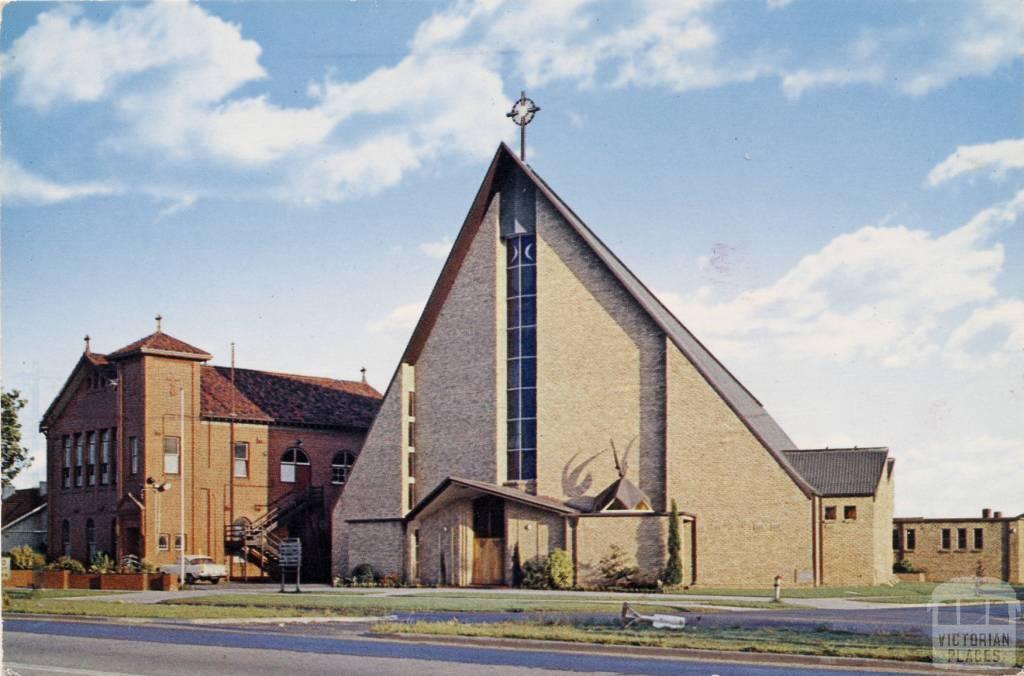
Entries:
{"x":961,"y":538}
{"x":177,"y":542}
{"x":163,"y":543}
{"x":521,"y":313}
{"x":133,"y":454}
{"x":66,"y":472}
{"x":830,"y":513}
{"x":850,"y":512}
{"x":412,"y":464}
{"x":979,"y":538}
{"x":895,"y":538}
{"x":115,"y":453}
{"x":90,"y":467}
{"x":412,"y":494}
{"x":412,"y":404}
{"x":241,"y":460}
{"x":412,"y":434}
{"x":105,"y":457}
{"x":288,"y":472}
{"x":172,"y":455}
{"x":79,"y":459}
{"x":947,"y":538}
{"x":911,"y":536}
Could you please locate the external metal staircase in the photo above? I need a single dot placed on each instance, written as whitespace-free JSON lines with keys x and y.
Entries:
{"x":256,"y":542}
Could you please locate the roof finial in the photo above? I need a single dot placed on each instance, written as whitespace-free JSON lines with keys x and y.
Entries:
{"x":363,"y":372}
{"x":88,"y":346}
{"x":522,"y":114}
{"x":159,"y":318}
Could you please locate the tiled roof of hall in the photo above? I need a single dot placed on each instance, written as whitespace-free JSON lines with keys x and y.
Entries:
{"x":160,"y":344}
{"x":286,"y":399}
{"x":838,"y":472}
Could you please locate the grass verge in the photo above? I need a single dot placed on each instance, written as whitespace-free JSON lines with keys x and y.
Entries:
{"x":784,"y":641}
{"x":472,"y":603}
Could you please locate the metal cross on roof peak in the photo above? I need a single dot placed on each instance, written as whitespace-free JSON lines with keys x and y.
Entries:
{"x":522,"y":114}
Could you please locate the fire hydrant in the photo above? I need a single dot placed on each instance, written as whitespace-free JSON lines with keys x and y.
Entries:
{"x":778,"y":588}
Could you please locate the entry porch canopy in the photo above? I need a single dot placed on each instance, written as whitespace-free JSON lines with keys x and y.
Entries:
{"x":455,"y":489}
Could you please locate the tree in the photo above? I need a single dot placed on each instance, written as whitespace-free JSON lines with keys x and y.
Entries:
{"x":16,"y":456}
{"x":674,"y":567}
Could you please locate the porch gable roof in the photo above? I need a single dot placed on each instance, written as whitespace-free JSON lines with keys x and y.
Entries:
{"x":537,"y":501}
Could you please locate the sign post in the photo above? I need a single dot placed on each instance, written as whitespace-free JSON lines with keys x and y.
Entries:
{"x":291,"y":559}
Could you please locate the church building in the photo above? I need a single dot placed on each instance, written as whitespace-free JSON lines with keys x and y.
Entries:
{"x":548,"y":400}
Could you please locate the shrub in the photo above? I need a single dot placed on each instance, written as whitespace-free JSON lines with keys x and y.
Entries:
{"x":903,"y":566}
{"x":66,"y":563}
{"x":674,"y":565}
{"x":535,"y":573}
{"x":102,"y":564}
{"x":26,"y":558}
{"x":517,"y":567}
{"x":390,"y":580}
{"x":364,"y":574}
{"x":615,"y":569}
{"x":148,"y":566}
{"x":560,"y":569}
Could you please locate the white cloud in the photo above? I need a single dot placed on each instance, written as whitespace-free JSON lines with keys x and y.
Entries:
{"x":887,"y":293}
{"x":401,"y":318}
{"x":1001,"y":156}
{"x":438,"y":249}
{"x":19,"y":186}
{"x":889,"y":336}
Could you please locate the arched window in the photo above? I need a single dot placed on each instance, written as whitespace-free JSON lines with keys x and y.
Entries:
{"x":65,"y":537}
{"x":292,"y":458}
{"x":90,"y":539}
{"x":341,"y":466}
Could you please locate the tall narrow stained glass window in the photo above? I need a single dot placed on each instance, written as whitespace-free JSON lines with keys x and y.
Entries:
{"x":522,"y":357}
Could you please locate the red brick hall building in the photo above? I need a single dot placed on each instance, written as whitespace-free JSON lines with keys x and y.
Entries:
{"x":268,"y":452}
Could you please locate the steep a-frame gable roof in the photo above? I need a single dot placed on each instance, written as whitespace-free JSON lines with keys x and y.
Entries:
{"x":746,"y":407}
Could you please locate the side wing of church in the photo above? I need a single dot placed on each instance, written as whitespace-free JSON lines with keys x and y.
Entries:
{"x":547,"y":400}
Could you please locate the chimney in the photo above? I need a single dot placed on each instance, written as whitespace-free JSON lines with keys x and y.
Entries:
{"x":986,"y":513}
{"x":997,"y":515}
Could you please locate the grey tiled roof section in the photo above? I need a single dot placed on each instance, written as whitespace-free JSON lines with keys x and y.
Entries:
{"x":840,"y":471}
{"x":746,"y":406}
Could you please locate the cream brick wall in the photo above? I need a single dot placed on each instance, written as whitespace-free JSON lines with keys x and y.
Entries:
{"x":753,"y":521}
{"x":642,"y":538}
{"x":457,"y":379}
{"x":378,"y":543}
{"x":447,"y":532}
{"x":374,"y":490}
{"x":599,"y":372}
{"x":939,"y":564}
{"x":537,"y":532}
{"x":849,"y":544}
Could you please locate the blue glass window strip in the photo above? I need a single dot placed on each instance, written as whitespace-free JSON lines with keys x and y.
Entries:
{"x":521,"y":301}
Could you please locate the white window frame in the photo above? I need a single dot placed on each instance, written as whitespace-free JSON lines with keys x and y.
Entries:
{"x":176,"y":455}
{"x":346,"y":468}
{"x":133,"y":454}
{"x":163,"y":542}
{"x":105,"y":457}
{"x":243,"y":462}
{"x":288,"y":471}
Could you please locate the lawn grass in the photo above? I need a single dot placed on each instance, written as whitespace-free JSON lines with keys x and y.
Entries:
{"x":382,"y":605}
{"x":54,"y":606}
{"x":766,"y":640}
{"x":904,"y":592}
{"x":23,"y":593}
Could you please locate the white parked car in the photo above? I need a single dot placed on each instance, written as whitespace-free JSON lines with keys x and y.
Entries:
{"x":198,"y":567}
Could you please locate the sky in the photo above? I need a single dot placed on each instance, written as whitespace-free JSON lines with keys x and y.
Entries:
{"x":829,"y":195}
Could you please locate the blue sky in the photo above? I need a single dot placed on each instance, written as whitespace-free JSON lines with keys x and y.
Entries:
{"x":828,"y":194}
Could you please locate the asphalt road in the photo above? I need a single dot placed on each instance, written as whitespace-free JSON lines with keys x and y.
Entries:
{"x":48,"y":647}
